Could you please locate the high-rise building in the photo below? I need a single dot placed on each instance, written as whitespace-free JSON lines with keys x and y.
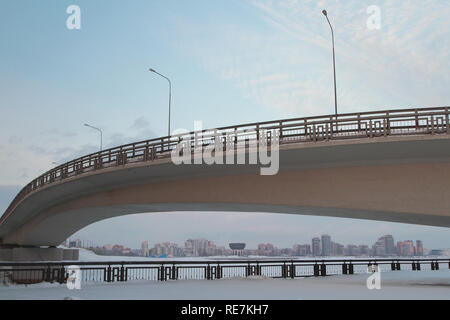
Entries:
{"x":145,"y":252}
{"x":267,"y":249}
{"x":301,"y":249}
{"x":389,"y":242}
{"x":201,"y":247}
{"x":384,"y":246}
{"x":326,"y":245}
{"x":419,"y":248}
{"x":364,"y":250}
{"x":196,"y":247}
{"x":352,"y":250}
{"x":316,"y":247}
{"x":337,"y":249}
{"x":405,"y":248}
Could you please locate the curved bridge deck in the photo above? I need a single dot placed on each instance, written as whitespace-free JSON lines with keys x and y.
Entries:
{"x":430,"y":126}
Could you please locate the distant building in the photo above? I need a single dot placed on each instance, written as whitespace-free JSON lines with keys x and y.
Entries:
{"x":364,"y":250}
{"x":72,"y":244}
{"x":352,"y":250}
{"x":316,"y":247}
{"x":384,"y":246}
{"x":337,"y":249}
{"x":439,"y":252}
{"x":196,"y":247}
{"x":419,"y":248}
{"x":75,"y":243}
{"x":326,"y":245}
{"x":145,"y":252}
{"x":405,"y":248}
{"x":301,"y":249}
{"x":267,"y":249}
{"x":238,"y":248}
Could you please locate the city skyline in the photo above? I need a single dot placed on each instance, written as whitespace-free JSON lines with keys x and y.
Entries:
{"x":385,"y":246}
{"x":280,"y":229}
{"x":322,"y":245}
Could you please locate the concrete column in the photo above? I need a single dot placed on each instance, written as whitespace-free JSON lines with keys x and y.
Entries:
{"x":37,"y":254}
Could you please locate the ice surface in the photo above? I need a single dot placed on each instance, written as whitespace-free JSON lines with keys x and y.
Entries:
{"x":394,"y":285}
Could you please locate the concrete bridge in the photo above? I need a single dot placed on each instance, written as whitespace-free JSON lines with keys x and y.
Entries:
{"x":389,"y":165}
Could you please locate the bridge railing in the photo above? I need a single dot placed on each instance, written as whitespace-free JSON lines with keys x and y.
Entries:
{"x":428,"y":121}
{"x":123,"y":271}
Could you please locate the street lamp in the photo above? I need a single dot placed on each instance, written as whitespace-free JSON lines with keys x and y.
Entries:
{"x":334,"y":63}
{"x":101,"y":134}
{"x":170,"y":94}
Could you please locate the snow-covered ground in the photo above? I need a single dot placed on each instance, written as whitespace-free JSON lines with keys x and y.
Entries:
{"x":394,"y":285}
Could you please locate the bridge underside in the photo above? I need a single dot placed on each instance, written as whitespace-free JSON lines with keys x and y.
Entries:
{"x":402,"y":179}
{"x":86,"y":216}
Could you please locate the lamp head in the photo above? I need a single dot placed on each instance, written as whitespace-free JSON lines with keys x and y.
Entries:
{"x":151,"y":70}
{"x":324,"y":12}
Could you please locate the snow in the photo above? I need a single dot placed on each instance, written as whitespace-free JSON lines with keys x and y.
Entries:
{"x":394,"y":285}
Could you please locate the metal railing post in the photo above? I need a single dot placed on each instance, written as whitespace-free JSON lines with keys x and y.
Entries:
{"x":447,"y":124}
{"x":218,"y":271}
{"x":323,"y":270}
{"x":316,"y":270}
{"x":344,"y":268}
{"x":108,"y":278}
{"x":163,"y":273}
{"x":281,"y":130}
{"x":173,"y":277}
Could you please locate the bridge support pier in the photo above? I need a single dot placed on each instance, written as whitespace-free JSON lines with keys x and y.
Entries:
{"x":30,"y":254}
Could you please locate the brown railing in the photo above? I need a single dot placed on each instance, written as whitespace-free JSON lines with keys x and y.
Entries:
{"x":423,"y":121}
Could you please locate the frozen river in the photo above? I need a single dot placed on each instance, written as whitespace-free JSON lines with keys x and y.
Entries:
{"x":394,"y":285}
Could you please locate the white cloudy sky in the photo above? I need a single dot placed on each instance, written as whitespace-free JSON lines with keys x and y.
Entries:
{"x":230,"y":61}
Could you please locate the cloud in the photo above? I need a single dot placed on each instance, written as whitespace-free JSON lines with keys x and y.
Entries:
{"x":7,"y":194}
{"x":26,"y":159}
{"x":286,"y":65}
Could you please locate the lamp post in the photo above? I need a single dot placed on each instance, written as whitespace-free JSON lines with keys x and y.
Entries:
{"x":334,"y":63}
{"x":170,"y":94}
{"x":101,"y":134}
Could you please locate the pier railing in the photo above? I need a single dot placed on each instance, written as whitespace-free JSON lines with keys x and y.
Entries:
{"x":419,"y":121}
{"x":123,"y":271}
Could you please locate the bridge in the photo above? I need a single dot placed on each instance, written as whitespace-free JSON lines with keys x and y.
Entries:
{"x":391,"y":165}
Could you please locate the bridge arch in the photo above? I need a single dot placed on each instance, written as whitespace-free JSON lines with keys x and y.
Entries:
{"x":397,"y":170}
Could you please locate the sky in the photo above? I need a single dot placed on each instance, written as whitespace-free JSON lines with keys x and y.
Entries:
{"x":230,"y":62}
